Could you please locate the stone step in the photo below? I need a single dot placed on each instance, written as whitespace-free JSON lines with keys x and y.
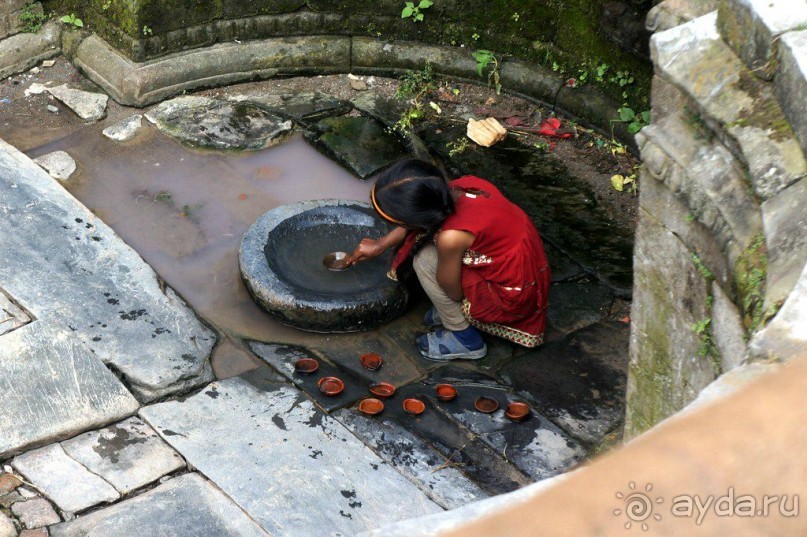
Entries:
{"x":791,"y":82}
{"x":70,"y":270}
{"x":752,"y":28}
{"x":682,"y":153}
{"x":292,"y":468}
{"x":740,"y":108}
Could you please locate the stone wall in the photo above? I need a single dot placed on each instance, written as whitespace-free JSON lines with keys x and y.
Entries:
{"x":10,"y":11}
{"x":721,"y":245}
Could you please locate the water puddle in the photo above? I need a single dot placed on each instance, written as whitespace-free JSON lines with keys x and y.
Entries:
{"x":185,"y":212}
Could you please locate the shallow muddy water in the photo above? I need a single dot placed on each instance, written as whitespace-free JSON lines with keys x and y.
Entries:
{"x":185,"y":211}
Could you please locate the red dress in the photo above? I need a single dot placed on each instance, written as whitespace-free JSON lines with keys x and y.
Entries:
{"x":505,"y":274}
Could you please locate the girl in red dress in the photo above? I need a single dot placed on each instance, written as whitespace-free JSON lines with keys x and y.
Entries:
{"x":477,"y":255}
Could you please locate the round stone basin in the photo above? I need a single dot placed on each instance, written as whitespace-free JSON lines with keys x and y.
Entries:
{"x":281,"y":261}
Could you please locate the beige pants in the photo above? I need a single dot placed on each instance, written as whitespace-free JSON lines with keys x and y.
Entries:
{"x":450,"y":311}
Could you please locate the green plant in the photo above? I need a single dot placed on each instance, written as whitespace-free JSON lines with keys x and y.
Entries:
{"x":415,"y":85}
{"x":483,"y":59}
{"x":636,"y":122}
{"x":106,"y":5}
{"x":72,"y":20}
{"x":412,"y":11}
{"x":749,"y":275}
{"x":147,"y":31}
{"x":164,"y":196}
{"x":32,"y":18}
{"x":600,"y":71}
{"x":457,"y":146}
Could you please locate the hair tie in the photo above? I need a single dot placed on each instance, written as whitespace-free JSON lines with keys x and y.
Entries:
{"x":384,"y":215}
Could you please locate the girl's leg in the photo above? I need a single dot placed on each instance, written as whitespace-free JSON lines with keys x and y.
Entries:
{"x":450,"y":311}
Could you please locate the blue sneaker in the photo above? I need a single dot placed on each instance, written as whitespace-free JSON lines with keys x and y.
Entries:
{"x":443,"y":346}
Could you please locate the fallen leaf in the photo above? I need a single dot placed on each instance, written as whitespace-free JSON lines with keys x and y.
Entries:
{"x":242,"y":197}
{"x":618,"y":182}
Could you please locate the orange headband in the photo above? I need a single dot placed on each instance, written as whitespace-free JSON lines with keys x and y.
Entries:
{"x":384,"y":215}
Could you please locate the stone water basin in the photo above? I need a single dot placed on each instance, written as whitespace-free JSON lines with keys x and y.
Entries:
{"x":281,"y":261}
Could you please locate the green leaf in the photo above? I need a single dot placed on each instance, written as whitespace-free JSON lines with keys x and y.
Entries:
{"x":618,"y":182}
{"x":425,"y":3}
{"x":634,"y":127}
{"x":65,"y":18}
{"x":419,"y":17}
{"x":407,"y":12}
{"x":435,"y":107}
{"x":626,"y":114}
{"x":78,"y":23}
{"x":644,"y":117}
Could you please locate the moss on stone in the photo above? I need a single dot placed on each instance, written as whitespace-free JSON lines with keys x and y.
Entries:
{"x":750,"y":272}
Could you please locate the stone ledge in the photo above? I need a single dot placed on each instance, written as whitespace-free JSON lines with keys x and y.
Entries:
{"x":752,"y":28}
{"x":791,"y":82}
{"x":20,"y":52}
{"x":740,"y":108}
{"x":141,"y":84}
{"x":784,"y":337}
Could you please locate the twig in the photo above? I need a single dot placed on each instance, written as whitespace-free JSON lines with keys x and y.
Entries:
{"x":449,"y":463}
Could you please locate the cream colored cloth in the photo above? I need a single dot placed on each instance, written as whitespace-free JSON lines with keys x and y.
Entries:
{"x":450,"y":311}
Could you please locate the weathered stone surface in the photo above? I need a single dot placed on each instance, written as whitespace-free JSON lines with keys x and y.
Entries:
{"x":58,"y":164}
{"x":665,"y":99}
{"x":753,"y":27}
{"x":20,"y":52}
{"x":185,"y":505}
{"x":535,"y":445}
{"x":411,"y":456}
{"x":11,"y":315}
{"x":304,"y":108}
{"x":670,"y":13}
{"x":80,"y":272}
{"x":242,"y":438}
{"x":362,"y":145}
{"x":125,"y":129}
{"x":579,"y":381}
{"x":70,"y":485}
{"x":392,"y":57}
{"x":728,"y":330}
{"x":128,"y":455}
{"x":667,"y":370}
{"x":731,"y":382}
{"x":785,"y":220}
{"x":7,"y":527}
{"x":791,"y":82}
{"x":695,"y":59}
{"x":140,"y":84}
{"x":573,"y":306}
{"x":561,"y":265}
{"x":77,"y":392}
{"x":216,"y":124}
{"x":39,"y":532}
{"x":87,"y":105}
{"x":7,"y":500}
{"x":35,"y":513}
{"x":291,"y":283}
{"x":785,"y":336}
{"x":8,"y":483}
{"x":706,"y":176}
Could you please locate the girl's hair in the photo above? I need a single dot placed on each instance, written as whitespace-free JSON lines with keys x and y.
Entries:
{"x":413,"y":193}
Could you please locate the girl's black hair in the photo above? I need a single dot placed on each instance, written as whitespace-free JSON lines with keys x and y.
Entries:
{"x":416,"y":193}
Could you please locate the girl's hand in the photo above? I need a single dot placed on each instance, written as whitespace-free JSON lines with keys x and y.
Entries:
{"x":367,"y":249}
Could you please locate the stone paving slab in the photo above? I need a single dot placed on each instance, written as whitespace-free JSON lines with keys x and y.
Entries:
{"x":128,"y":455}
{"x":184,"y":506}
{"x":76,"y":393}
{"x":11,"y":315}
{"x":791,"y":82}
{"x":573,"y":306}
{"x":35,"y":513}
{"x":61,"y":262}
{"x":70,"y":485}
{"x":579,"y":381}
{"x":303,"y":108}
{"x":536,"y":445}
{"x":294,"y":469}
{"x":412,"y":456}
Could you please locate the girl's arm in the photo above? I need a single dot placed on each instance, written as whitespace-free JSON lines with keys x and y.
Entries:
{"x":369,"y":248}
{"x":451,"y":246}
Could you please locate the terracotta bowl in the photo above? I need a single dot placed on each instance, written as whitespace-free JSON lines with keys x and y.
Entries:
{"x":517,"y":411}
{"x":446,"y":392}
{"x":336,"y":261}
{"x":371,"y":406}
{"x":371,"y":361}
{"x":382,"y":389}
{"x":486,"y":405}
{"x":331,"y":385}
{"x":306,"y":365}
{"x":414,"y":407}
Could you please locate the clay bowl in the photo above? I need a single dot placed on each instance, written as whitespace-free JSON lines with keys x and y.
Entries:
{"x":446,"y":392}
{"x":306,"y":365}
{"x":517,"y":411}
{"x":371,"y":406}
{"x":414,"y":407}
{"x":336,"y":261}
{"x":486,"y":405}
{"x":382,"y":389}
{"x":331,"y":385}
{"x":371,"y":361}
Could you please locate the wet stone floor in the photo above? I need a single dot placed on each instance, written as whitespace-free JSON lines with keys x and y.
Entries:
{"x":183,"y":203}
